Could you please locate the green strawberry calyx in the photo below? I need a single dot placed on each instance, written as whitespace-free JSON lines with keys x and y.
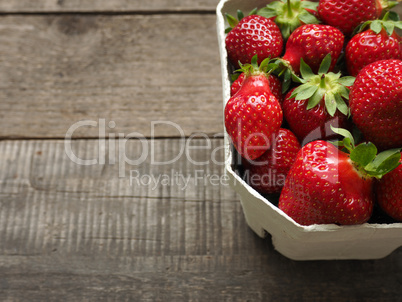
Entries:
{"x":252,"y":68}
{"x":290,"y":14}
{"x":365,"y":158}
{"x":389,"y":22}
{"x":327,"y":86}
{"x":284,"y":70}
{"x":233,"y":21}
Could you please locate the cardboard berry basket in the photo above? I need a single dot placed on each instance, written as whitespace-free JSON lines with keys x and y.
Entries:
{"x":297,"y":242}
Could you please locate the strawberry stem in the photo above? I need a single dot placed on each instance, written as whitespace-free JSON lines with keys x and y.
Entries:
{"x":289,"y":8}
{"x":323,"y":82}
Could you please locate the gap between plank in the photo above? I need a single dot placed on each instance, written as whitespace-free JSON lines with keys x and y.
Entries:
{"x":111,"y":13}
{"x":210,"y":136}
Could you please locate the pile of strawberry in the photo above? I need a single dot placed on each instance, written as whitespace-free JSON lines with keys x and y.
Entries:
{"x":316,"y":107}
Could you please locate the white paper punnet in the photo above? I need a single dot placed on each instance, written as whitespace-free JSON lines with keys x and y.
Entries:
{"x":315,"y":242}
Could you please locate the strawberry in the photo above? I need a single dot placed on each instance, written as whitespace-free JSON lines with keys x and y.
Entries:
{"x":252,"y":35}
{"x":267,"y":173}
{"x":328,"y":185}
{"x":311,"y":108}
{"x":346,"y":15}
{"x":380,"y":42}
{"x":375,"y":103}
{"x":253,"y":114}
{"x":310,"y":42}
{"x":389,"y":193}
{"x":274,"y":84}
{"x":290,"y":14}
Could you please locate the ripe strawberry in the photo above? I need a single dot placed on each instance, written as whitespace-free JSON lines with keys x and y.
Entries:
{"x":312,"y":42}
{"x":375,"y":103}
{"x":252,"y":35}
{"x":290,"y":14}
{"x":380,"y":42}
{"x":327,"y":185}
{"x":253,"y":114}
{"x":311,"y":108}
{"x":346,"y":15}
{"x":275,"y":85}
{"x":267,"y":173}
{"x":389,"y":193}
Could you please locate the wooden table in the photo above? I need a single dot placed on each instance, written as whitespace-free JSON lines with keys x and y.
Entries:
{"x":82,"y":215}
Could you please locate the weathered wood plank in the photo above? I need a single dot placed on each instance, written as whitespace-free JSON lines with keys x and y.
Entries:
{"x":309,"y":283}
{"x":138,"y":6}
{"x":106,"y":5}
{"x":48,"y":201}
{"x":74,"y":232}
{"x":128,"y":70}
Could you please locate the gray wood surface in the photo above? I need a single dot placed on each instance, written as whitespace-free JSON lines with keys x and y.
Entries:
{"x":131,"y":70}
{"x":119,"y":6}
{"x":136,"y":6}
{"x":74,"y":232}
{"x":107,"y":231}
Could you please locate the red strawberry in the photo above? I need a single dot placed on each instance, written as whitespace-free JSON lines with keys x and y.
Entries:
{"x":375,"y":103}
{"x":346,"y":15}
{"x":267,"y":173}
{"x":274,"y":84}
{"x":253,"y":114}
{"x":327,"y":185}
{"x":312,"y":42}
{"x":311,"y":108}
{"x":253,"y":35}
{"x":290,"y":14}
{"x":380,"y":42}
{"x":389,"y":193}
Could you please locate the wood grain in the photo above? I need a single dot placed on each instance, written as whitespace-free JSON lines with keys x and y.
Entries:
{"x":73,"y":232}
{"x":137,"y":6}
{"x":128,"y":70}
{"x":99,"y":6}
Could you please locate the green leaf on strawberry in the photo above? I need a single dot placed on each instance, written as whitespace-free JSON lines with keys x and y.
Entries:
{"x":389,"y":22}
{"x":330,"y":86}
{"x":393,"y":16}
{"x":325,"y":65}
{"x":346,"y":81}
{"x":232,"y":22}
{"x":305,"y":93}
{"x":365,"y":156}
{"x":305,"y":71}
{"x":254,"y":68}
{"x":348,"y":142}
{"x":385,"y":162}
{"x":364,"y":153}
{"x":376,"y":26}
